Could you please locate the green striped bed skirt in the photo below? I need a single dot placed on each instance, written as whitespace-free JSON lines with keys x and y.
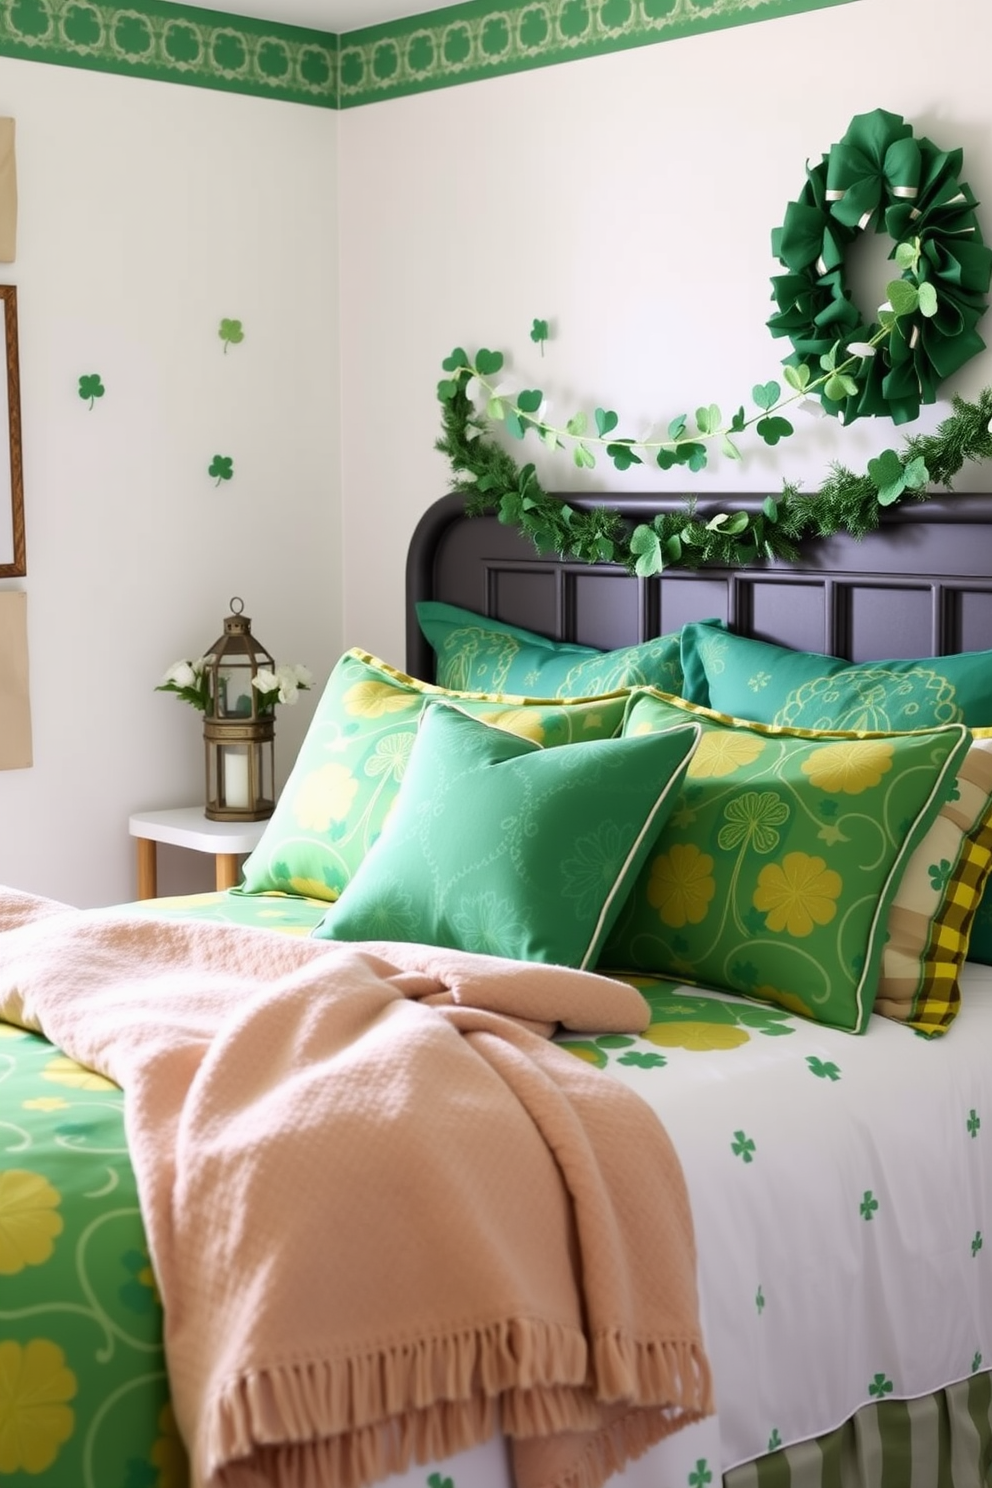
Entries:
{"x":940,"y":1441}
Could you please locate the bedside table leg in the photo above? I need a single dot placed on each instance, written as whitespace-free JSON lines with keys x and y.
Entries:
{"x":228,"y":870}
{"x":147,"y":869}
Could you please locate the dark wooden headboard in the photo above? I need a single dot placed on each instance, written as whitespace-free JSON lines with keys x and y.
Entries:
{"x":921,"y":585}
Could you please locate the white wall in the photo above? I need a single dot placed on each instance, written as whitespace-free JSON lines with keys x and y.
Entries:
{"x":630,"y":200}
{"x":147,"y":212}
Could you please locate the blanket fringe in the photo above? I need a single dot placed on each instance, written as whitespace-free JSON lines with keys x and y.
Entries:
{"x":367,"y":1455}
{"x":326,"y":1397}
{"x":640,"y":1378}
{"x":364,"y":1418}
{"x":626,"y":1435}
{"x":672,"y":1388}
{"x":652,"y":1371}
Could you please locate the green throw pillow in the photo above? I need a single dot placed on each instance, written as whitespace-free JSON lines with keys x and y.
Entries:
{"x":774,"y":875}
{"x":771,"y":684}
{"x":800,"y":689}
{"x":498,"y":846}
{"x":353,"y":759}
{"x":475,"y":653}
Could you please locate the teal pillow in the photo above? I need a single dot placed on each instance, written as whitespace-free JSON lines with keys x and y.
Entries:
{"x":476,"y":654}
{"x":774,"y":875}
{"x":498,"y":846}
{"x":772,"y":684}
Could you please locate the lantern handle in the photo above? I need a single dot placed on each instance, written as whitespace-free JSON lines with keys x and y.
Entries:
{"x":237,"y":600}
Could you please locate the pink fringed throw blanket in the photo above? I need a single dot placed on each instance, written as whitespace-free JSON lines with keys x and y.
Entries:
{"x":387,"y":1216}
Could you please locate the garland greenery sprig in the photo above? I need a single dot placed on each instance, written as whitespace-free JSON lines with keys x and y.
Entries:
{"x":491,"y":481}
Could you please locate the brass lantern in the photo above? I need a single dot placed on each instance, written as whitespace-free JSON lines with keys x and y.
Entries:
{"x":238,"y":726}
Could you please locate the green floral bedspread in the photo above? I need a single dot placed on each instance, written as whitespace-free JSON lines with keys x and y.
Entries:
{"x":83,"y":1390}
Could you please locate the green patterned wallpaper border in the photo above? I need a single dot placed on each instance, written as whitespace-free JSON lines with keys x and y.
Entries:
{"x":175,"y":44}
{"x":481,"y":38}
{"x":478,"y":39}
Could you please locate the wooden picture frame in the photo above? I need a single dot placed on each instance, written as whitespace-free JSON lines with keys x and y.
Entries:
{"x":13,"y":556}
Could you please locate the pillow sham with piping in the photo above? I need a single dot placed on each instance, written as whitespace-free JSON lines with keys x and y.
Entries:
{"x":499,"y":846}
{"x":772,"y":684}
{"x":801,"y":689}
{"x":476,"y":653}
{"x":776,"y":871}
{"x":353,"y":759}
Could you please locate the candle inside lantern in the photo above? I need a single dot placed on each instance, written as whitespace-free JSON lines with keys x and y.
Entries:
{"x":236,"y":777}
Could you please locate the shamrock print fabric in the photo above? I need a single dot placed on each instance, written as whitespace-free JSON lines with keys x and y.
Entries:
{"x":842,"y":1216}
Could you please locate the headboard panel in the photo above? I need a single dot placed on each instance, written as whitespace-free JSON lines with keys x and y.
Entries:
{"x":920,"y":585}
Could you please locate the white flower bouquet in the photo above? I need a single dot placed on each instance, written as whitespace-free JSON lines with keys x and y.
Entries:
{"x":190,"y":680}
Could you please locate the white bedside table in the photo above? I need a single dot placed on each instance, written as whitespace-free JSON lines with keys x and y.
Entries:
{"x":186,"y":826}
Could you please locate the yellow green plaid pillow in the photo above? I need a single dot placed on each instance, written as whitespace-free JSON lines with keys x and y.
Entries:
{"x":931,"y":918}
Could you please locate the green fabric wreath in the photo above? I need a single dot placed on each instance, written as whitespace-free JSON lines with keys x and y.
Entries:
{"x":879,"y":176}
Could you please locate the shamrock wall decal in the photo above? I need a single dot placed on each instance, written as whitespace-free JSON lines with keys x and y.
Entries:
{"x":221,"y":468}
{"x":231,"y":333}
{"x":91,"y":388}
{"x":539,"y":333}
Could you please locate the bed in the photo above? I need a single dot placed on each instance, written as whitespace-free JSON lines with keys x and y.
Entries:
{"x":838,"y":1176}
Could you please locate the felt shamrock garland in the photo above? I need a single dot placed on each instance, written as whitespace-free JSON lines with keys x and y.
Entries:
{"x":878,"y":174}
{"x":771,"y":527}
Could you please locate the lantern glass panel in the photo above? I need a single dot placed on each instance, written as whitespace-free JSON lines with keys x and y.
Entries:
{"x":236,"y":696}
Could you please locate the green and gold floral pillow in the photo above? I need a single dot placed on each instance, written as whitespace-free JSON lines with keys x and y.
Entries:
{"x":475,"y":653}
{"x":500,"y":847}
{"x":775,"y":873}
{"x":354,"y":757}
{"x":800,"y":689}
